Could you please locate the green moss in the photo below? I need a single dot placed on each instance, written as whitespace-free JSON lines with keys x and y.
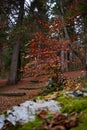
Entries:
{"x":70,"y":104}
{"x":82,"y":126}
{"x":35,"y":125}
{"x":40,"y":97}
{"x":50,"y":116}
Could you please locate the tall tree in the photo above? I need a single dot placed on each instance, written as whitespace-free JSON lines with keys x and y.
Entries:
{"x":13,"y":75}
{"x":73,"y":16}
{"x":76,"y":15}
{"x":4,"y":27}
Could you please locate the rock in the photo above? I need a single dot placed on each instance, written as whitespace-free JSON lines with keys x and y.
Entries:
{"x":2,"y":119}
{"x":50,"y":105}
{"x":11,"y":119}
{"x":70,"y":93}
{"x":85,"y":94}
{"x":78,"y":93}
{"x":26,"y":111}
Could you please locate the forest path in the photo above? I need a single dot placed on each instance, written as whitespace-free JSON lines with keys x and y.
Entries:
{"x":6,"y":102}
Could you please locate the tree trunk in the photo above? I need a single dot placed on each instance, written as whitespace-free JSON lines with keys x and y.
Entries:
{"x":14,"y":64}
{"x":62,"y":61}
{"x":1,"y":64}
{"x":79,"y":55}
{"x":85,"y":63}
{"x":13,"y":75}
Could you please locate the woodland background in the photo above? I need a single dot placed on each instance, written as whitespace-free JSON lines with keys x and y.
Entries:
{"x":43,"y":56}
{"x":42,"y":37}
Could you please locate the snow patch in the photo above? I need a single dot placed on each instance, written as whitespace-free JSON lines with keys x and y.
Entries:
{"x":26,"y":111}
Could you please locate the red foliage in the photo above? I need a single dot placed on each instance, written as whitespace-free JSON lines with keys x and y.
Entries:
{"x":45,"y":48}
{"x":43,"y":53}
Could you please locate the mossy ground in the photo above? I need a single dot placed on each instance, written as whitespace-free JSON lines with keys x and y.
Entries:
{"x":78,"y":105}
{"x":68,"y":104}
{"x":34,"y":125}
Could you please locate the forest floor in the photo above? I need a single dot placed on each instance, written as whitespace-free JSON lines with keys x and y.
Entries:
{"x":6,"y":102}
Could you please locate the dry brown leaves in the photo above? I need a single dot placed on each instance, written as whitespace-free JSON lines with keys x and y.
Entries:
{"x":57,"y":121}
{"x":51,"y":96}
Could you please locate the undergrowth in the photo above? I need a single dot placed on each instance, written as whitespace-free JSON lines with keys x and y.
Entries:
{"x":34,"y":125}
{"x":68,"y":105}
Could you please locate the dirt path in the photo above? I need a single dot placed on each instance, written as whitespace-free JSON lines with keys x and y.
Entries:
{"x":75,"y":74}
{"x":6,"y":102}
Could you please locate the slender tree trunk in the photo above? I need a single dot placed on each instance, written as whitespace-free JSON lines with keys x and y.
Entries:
{"x":64,"y":27}
{"x":66,"y":58}
{"x":85,"y":63}
{"x":1,"y":60}
{"x":82,"y":59}
{"x":62,"y":61}
{"x":63,"y":20}
{"x":13,"y":75}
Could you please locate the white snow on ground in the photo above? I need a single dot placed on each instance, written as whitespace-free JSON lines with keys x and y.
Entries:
{"x":2,"y":119}
{"x":26,"y":111}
